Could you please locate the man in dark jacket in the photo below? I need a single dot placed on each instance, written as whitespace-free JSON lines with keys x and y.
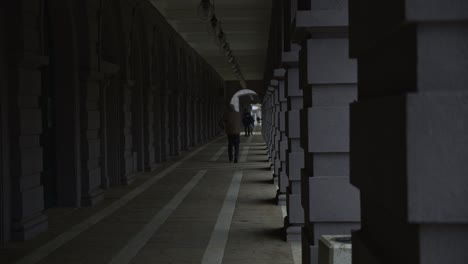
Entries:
{"x":232,"y":122}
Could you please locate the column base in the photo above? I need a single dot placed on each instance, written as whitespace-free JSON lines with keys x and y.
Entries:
{"x":151,"y":167}
{"x":280,"y":198}
{"x":274,"y":179}
{"x":293,"y":232}
{"x":29,"y":228}
{"x":92,"y":198}
{"x":128,"y":179}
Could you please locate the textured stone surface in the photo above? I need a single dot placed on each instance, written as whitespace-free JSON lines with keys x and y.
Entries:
{"x":332,"y":251}
{"x":256,"y":234}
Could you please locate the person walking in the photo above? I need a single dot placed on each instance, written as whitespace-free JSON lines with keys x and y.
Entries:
{"x":247,"y":121}
{"x":232,"y":123}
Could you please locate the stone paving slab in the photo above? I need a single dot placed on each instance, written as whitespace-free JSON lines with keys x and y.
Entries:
{"x":255,"y":236}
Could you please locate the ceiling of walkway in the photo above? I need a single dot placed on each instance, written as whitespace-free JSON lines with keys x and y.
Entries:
{"x":245,"y":22}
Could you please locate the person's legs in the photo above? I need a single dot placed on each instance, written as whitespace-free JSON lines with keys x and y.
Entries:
{"x":236,"y":142}
{"x":246,"y":129}
{"x":230,"y":145}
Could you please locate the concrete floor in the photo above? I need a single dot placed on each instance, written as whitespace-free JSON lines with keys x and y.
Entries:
{"x":197,"y":209}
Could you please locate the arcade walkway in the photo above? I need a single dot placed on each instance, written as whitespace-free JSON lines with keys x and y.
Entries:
{"x":197,"y":209}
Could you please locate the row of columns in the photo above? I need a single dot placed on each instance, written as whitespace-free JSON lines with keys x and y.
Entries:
{"x":313,"y":83}
{"x":77,"y":121}
{"x":397,"y":130}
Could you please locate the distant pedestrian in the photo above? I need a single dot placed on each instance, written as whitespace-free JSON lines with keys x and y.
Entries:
{"x":248,"y":121}
{"x":232,"y":123}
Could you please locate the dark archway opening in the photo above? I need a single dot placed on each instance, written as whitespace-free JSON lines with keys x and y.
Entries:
{"x":112,"y":53}
{"x":138,"y":104}
{"x":48,"y":105}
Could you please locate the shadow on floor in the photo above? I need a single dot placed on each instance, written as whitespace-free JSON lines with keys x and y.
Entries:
{"x":263,"y":181}
{"x":269,"y":201}
{"x":261,"y":169}
{"x":272,"y":233}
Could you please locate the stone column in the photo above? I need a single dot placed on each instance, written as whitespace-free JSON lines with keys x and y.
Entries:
{"x":214,"y":117}
{"x":91,"y":124}
{"x":26,"y":161}
{"x":5,"y":177}
{"x":409,"y":131}
{"x":328,"y":79}
{"x":198,"y":120}
{"x":268,"y":123}
{"x":149,"y":129}
{"x":21,"y":149}
{"x":295,"y":154}
{"x":282,"y":143}
{"x":138,"y":125}
{"x":276,"y":136}
{"x":165,"y":130}
{"x":177,"y":123}
{"x":174,"y":136}
{"x":128,"y":165}
{"x":179,"y":119}
{"x":157,"y":128}
{"x":209,"y":117}
{"x":189,"y":121}
{"x":113,"y":119}
{"x":193,"y":109}
{"x":108,"y":70}
{"x":203,"y":119}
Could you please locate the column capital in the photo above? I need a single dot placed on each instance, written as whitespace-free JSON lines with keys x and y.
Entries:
{"x":320,"y":23}
{"x":270,"y":90}
{"x":290,"y":58}
{"x":279,"y":73}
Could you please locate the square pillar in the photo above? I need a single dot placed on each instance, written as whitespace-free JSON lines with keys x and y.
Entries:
{"x":328,"y":81}
{"x":150,"y":156}
{"x":26,"y":163}
{"x":91,"y":141}
{"x":165,"y":130}
{"x":409,"y":131}
{"x":295,"y":154}
{"x":282,"y":143}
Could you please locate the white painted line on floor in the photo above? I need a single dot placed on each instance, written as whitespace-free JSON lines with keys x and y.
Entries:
{"x":141,"y":238}
{"x":47,"y":249}
{"x":214,"y":252}
{"x":218,"y":154}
